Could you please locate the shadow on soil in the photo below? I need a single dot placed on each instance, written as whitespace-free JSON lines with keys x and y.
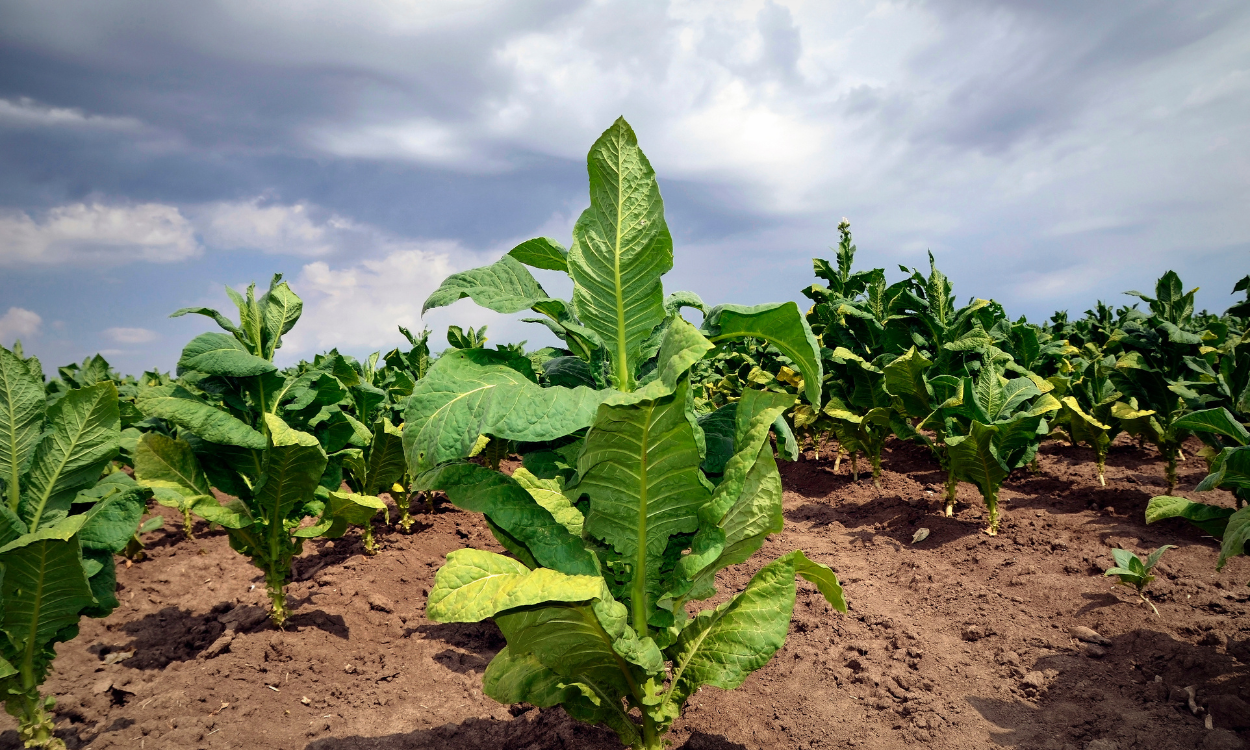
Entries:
{"x":1144,"y":672}
{"x":530,"y":730}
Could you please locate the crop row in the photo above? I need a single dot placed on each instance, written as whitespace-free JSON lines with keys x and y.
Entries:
{"x":647,"y":448}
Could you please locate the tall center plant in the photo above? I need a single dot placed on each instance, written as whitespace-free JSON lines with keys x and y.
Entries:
{"x":613,"y":523}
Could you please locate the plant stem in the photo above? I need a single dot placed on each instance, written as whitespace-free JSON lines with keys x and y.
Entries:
{"x":876,"y":470}
{"x":34,"y":725}
{"x":370,"y":545}
{"x":187,"y":524}
{"x":952,"y":489}
{"x":275,"y":584}
{"x":651,"y":739}
{"x":1170,"y":472}
{"x":1102,"y":465}
{"x":991,"y":502}
{"x":1142,"y":594}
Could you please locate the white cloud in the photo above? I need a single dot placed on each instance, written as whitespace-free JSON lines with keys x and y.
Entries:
{"x":16,"y":323}
{"x":131,"y":335}
{"x":113,"y":234}
{"x":359,"y":307}
{"x":269,"y":227}
{"x":27,"y":113}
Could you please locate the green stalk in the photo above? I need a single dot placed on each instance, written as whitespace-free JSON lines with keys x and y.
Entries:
{"x":275,"y":585}
{"x":1102,"y":465}
{"x":1169,"y":452}
{"x":991,"y":502}
{"x":35,"y":726}
{"x":652,"y":739}
{"x":952,"y":489}
{"x":875,"y":458}
{"x":187,"y":524}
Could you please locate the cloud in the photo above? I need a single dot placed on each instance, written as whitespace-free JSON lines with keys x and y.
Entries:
{"x":360,"y":306}
{"x":16,"y":323}
{"x":131,"y":335}
{"x":269,"y":227}
{"x":94,"y":232}
{"x":27,"y":113}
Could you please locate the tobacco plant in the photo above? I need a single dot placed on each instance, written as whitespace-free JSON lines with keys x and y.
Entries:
{"x":997,"y":429}
{"x":612,"y":524}
{"x":59,"y":529}
{"x":273,"y":440}
{"x":1132,"y":571}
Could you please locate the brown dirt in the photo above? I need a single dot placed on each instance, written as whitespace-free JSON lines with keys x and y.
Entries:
{"x":960,"y":641}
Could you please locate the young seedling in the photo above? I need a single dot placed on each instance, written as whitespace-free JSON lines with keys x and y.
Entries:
{"x":1133,"y":572}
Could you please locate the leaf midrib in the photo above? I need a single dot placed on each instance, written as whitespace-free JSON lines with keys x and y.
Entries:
{"x":47,"y":492}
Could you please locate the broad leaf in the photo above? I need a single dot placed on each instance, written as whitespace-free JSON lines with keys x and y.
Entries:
{"x":84,"y":435}
{"x":475,"y":584}
{"x":1235,"y":536}
{"x":22,"y":408}
{"x":162,"y":461}
{"x":292,"y":472}
{"x":45,"y":587}
{"x":219,"y":354}
{"x":185,"y":409}
{"x":621,"y":248}
{"x":723,"y":646}
{"x":465,"y":395}
{"x":780,"y":324}
{"x":1219,"y":421}
{"x":513,"y":509}
{"x":505,"y":286}
{"x":542,"y":252}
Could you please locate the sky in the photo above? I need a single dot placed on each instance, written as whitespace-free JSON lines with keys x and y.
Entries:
{"x":1049,"y":154}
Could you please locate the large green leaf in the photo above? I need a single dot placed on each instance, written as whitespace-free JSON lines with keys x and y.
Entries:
{"x":475,"y":584}
{"x":1213,"y":519}
{"x":746,"y":506}
{"x":621,"y":249}
{"x":22,"y":407}
{"x":1230,"y":470}
{"x":111,"y":522}
{"x":573,"y":642}
{"x":293,"y":467}
{"x":45,"y":587}
{"x":542,"y":252}
{"x":974,"y":458}
{"x":781,"y":324}
{"x":280,"y":310}
{"x":722,"y":646}
{"x":640,"y":467}
{"x":83,"y":435}
{"x":178,"y":405}
{"x":511,"y":508}
{"x":547,"y":493}
{"x":220,"y":354}
{"x":1219,"y":421}
{"x":165,"y":462}
{"x":1235,"y":536}
{"x":905,"y":381}
{"x":466,"y":395}
{"x":505,"y":286}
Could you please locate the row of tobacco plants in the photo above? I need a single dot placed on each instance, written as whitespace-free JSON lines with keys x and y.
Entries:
{"x":647,"y":448}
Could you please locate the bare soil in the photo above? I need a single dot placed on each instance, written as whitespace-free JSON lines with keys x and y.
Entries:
{"x":959,"y":641}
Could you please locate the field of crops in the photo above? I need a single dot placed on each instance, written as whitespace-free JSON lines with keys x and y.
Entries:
{"x":888,"y":520}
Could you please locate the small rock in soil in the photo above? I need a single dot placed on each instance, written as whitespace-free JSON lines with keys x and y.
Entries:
{"x":101,"y":687}
{"x":1229,"y":712}
{"x":1082,"y":633}
{"x":1034,"y":680}
{"x":1222,"y":739}
{"x":219,"y":646}
{"x":1094,"y":651}
{"x":973,"y":633}
{"x":380,"y":603}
